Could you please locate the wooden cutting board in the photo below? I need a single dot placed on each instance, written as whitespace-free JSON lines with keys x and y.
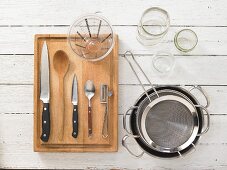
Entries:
{"x":101,"y":72}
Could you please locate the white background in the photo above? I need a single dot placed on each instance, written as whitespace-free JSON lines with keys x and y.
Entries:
{"x":206,"y":65}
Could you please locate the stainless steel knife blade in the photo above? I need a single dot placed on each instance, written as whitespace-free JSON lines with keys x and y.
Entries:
{"x":45,"y":93}
{"x":75,"y":91}
{"x":44,"y":72}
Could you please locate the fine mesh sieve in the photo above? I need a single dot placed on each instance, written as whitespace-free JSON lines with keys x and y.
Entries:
{"x":141,"y":142}
{"x":169,"y":125}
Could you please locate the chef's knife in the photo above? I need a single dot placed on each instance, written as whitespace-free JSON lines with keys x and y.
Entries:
{"x":75,"y":107}
{"x":45,"y":93}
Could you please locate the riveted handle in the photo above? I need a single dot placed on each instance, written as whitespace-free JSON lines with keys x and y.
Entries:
{"x":75,"y":121}
{"x":45,"y":123}
{"x":89,"y":122}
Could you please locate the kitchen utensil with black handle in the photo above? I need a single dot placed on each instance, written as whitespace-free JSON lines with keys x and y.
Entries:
{"x":45,"y":93}
{"x":75,"y":108}
{"x":45,"y":123}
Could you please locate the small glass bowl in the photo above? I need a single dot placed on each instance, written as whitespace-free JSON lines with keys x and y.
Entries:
{"x":163,"y":61}
{"x":91,"y":37}
{"x":153,"y":25}
{"x":185,"y":40}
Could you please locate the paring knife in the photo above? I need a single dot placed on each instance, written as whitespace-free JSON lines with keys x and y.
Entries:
{"x":45,"y":93}
{"x":75,"y":108}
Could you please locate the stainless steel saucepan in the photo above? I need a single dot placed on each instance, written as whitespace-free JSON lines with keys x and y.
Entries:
{"x":166,"y":121}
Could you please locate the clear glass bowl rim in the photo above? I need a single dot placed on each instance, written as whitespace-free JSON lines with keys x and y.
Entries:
{"x":177,"y":44}
{"x":156,"y":9}
{"x":95,"y":15}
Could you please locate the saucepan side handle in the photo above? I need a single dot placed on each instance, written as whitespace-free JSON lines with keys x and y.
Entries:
{"x":203,"y":93}
{"x":126,"y":146}
{"x":208,"y":120}
{"x":125,"y":124}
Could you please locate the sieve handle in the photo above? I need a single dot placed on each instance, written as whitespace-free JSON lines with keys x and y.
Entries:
{"x":125,"y":124}
{"x":208,"y":120}
{"x":125,"y":145}
{"x":140,"y":68}
{"x":203,"y":93}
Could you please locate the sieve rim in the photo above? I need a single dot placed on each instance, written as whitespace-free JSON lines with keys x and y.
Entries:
{"x":163,"y":89}
{"x":134,"y":128}
{"x":194,"y":130}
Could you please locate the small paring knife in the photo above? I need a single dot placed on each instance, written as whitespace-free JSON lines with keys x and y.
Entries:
{"x":75,"y":107}
{"x":45,"y":93}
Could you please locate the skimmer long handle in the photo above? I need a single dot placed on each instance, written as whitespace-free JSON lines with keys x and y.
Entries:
{"x":137,"y":64}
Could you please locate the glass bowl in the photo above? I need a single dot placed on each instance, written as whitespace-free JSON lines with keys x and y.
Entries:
{"x":163,"y":61}
{"x":185,"y":40}
{"x":153,"y":25}
{"x":91,"y":37}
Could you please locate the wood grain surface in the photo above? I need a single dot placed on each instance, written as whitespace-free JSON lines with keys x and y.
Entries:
{"x":205,"y":65}
{"x":102,"y":72}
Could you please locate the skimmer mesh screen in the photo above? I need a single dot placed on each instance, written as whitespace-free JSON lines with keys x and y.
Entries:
{"x":169,"y":124}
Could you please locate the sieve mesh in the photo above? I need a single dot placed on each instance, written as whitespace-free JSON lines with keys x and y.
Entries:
{"x":169,"y":124}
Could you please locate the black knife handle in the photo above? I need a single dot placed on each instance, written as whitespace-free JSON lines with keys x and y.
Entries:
{"x":75,"y":121}
{"x":45,"y":123}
